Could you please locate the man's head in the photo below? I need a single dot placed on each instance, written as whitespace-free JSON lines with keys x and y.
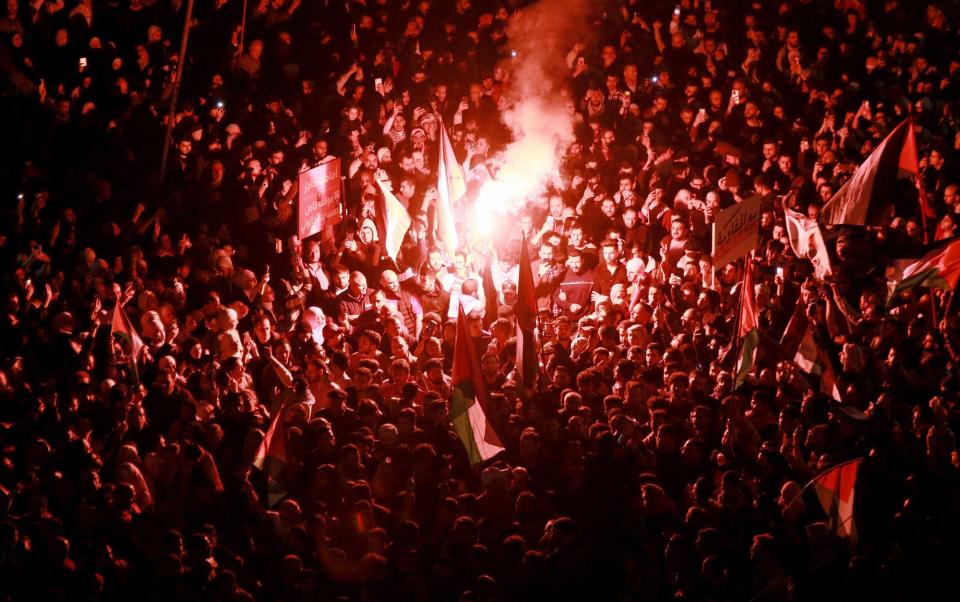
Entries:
{"x":526,"y":223}
{"x":320,"y":148}
{"x":407,"y":164}
{"x":379,"y":300}
{"x":509,"y":291}
{"x":435,"y":260}
{"x":342,"y":277}
{"x":546,"y":253}
{"x":770,"y":149}
{"x":368,"y":341}
{"x":389,"y":281}
{"x":936,"y":159}
{"x":460,"y":264}
{"x":358,"y":284}
{"x":489,"y":364}
{"x":609,"y":208}
{"x":408,"y":187}
{"x":678,"y":229}
{"x":313,"y":251}
{"x":575,"y":237}
{"x":609,"y":253}
{"x":786,"y":164}
{"x":427,"y":280}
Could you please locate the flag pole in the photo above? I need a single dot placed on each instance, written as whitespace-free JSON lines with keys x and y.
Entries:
{"x":735,"y":340}
{"x":541,"y":365}
{"x":918,"y":182}
{"x":178,"y":77}
{"x":243,"y":25}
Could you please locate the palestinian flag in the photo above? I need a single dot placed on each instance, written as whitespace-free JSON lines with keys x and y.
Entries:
{"x":271,"y":458}
{"x":120,"y":327}
{"x":396,"y":222}
{"x":748,"y":328}
{"x":835,"y":489}
{"x":797,"y":342}
{"x":469,"y":399}
{"x":526,"y":318}
{"x":939,"y":268}
{"x":866,"y":199}
{"x":911,"y":157}
{"x":451,"y":186}
{"x":828,"y":378}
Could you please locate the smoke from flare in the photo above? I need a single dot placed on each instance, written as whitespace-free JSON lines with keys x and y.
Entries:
{"x":537,"y":110}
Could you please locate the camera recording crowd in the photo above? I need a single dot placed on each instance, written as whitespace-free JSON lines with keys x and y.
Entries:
{"x":196,"y":404}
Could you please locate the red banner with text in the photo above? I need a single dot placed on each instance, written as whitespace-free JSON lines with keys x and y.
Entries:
{"x":320,"y":199}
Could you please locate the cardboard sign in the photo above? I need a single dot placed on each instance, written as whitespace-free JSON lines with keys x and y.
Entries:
{"x":735,"y":231}
{"x":320,"y":199}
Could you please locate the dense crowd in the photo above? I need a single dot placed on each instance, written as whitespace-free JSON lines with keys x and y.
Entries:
{"x":632,"y":470}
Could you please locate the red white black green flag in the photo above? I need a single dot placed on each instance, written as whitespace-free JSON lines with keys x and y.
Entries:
{"x":469,"y":399}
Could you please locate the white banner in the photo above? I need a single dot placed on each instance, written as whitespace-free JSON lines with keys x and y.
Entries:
{"x":806,"y":240}
{"x":396,"y":221}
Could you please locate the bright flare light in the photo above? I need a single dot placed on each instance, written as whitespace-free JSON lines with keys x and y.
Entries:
{"x":527,"y":165}
{"x":483,"y":220}
{"x":536,"y":109}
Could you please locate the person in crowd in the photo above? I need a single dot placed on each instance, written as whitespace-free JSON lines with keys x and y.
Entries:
{"x":202,"y":399}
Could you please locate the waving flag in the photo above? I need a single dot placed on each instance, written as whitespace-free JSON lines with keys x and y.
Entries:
{"x":806,"y":240}
{"x":121,"y":327}
{"x":526,"y":317}
{"x":865,"y":199}
{"x":396,"y":222}
{"x":451,"y":186}
{"x":939,"y":268}
{"x":469,"y":398}
{"x":271,"y":458}
{"x":911,"y":157}
{"x":748,"y":329}
{"x":835,"y":489}
{"x":828,"y":378}
{"x":797,"y":342}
